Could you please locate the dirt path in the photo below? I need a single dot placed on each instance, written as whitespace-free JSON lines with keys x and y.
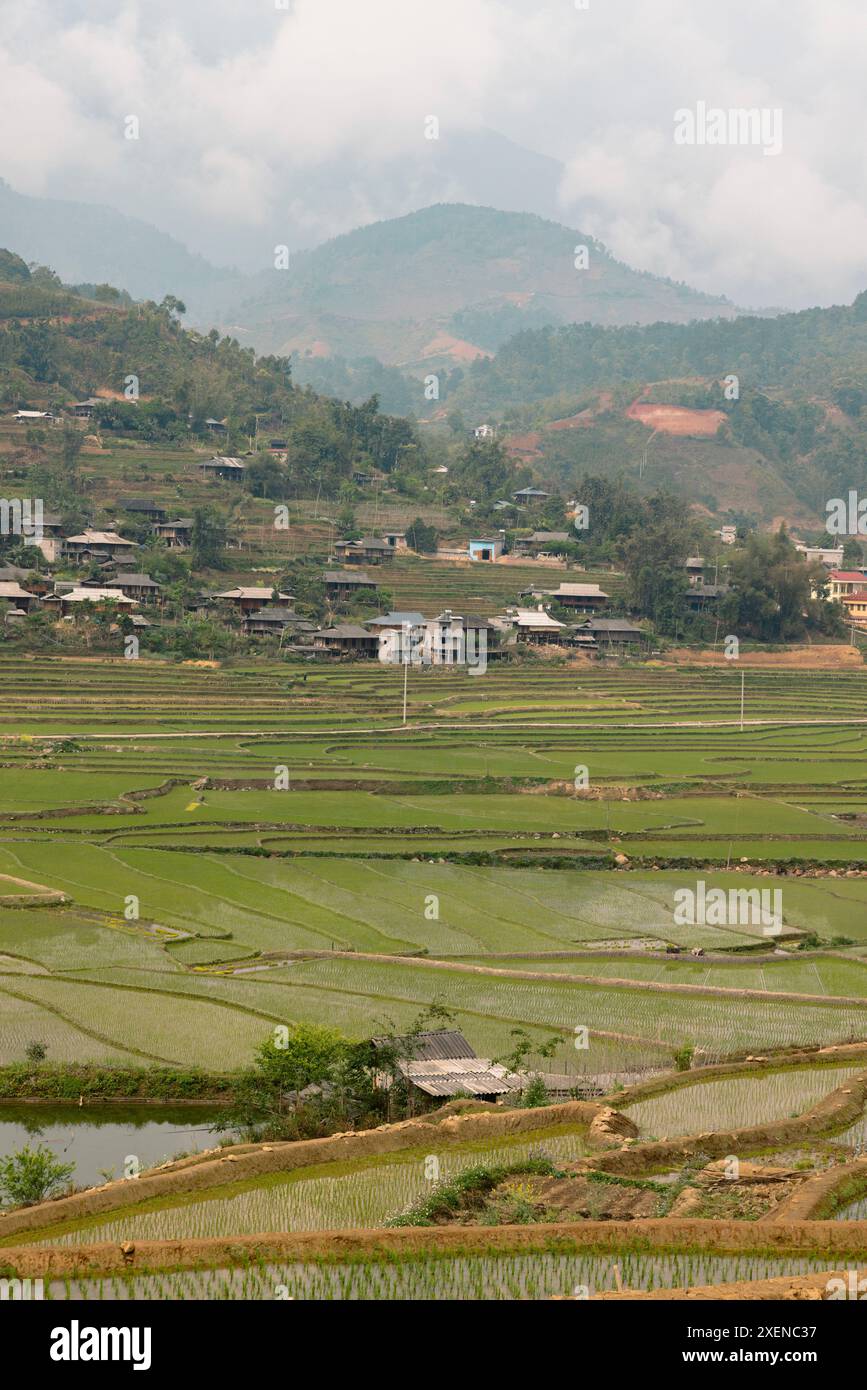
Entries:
{"x":831,"y":1239}
{"x":610,"y":981}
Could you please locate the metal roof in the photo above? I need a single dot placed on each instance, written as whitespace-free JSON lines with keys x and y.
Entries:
{"x":439,"y":1044}
{"x":99,"y":538}
{"x":396,"y":619}
{"x":577,"y":591}
{"x":349,"y":631}
{"x":609,"y":625}
{"x":139,"y":581}
{"x":348,"y":577}
{"x":475,"y":1075}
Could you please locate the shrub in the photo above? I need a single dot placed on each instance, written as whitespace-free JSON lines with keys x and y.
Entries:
{"x":31,"y":1175}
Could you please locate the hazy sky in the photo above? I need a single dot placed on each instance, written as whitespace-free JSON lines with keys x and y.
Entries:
{"x":261,"y":123}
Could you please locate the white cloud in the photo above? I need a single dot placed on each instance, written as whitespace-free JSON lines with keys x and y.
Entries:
{"x":254,"y":118}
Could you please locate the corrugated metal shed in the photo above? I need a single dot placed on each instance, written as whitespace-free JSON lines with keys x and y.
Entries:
{"x":440,"y":1044}
{"x":474,"y":1076}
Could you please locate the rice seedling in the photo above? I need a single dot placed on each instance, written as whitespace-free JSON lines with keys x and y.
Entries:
{"x":365,"y":1197}
{"x":736,"y":1102}
{"x":474,"y":1278}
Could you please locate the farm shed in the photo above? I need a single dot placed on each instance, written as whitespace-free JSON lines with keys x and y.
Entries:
{"x":442,"y":1064}
{"x":224,"y":467}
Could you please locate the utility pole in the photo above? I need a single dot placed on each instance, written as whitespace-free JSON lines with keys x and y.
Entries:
{"x":743,"y":678}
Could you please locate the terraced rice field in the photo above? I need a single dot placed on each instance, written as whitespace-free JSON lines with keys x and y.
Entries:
{"x":177,"y":907}
{"x":329,"y":1199}
{"x":736,"y":1102}
{"x":442,"y":838}
{"x":482,"y":1278}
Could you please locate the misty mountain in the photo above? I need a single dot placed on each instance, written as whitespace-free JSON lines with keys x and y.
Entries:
{"x":86,"y":243}
{"x":449,"y":284}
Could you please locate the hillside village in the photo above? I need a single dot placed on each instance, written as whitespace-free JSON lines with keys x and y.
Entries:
{"x":100,"y":570}
{"x":214,"y":570}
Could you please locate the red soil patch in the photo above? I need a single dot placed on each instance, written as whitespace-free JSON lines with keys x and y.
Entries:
{"x":574,"y":422}
{"x":676,"y":419}
{"x":446,"y":345}
{"x":526,"y":446}
{"x":828,"y":658}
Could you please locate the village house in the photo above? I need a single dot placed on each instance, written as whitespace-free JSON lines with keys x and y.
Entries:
{"x":540,"y":541}
{"x":484,"y":432}
{"x":83,"y":410}
{"x":855,"y":604}
{"x":51,"y":542}
{"x":447,"y":640}
{"x":140,"y":506}
{"x":364,"y":477}
{"x":703,"y":597}
{"x":486,"y":551}
{"x":67,"y":599}
{"x":343,"y":585}
{"x":222,"y":466}
{"x":694,"y":566}
{"x":250,"y":598}
{"x":368,"y":550}
{"x":176,"y":534}
{"x":829,"y":555}
{"x":395,"y":621}
{"x":532,"y":625}
{"x":97,"y":545}
{"x":612,"y":632}
{"x":347,"y":639}
{"x":844,"y":582}
{"x":12,"y":573}
{"x":582,"y":598}
{"x":137,"y":586}
{"x":274,"y":619}
{"x":727,"y":534}
{"x":530,"y":496}
{"x":450,"y":639}
{"x":12,"y":592}
{"x":396,"y":539}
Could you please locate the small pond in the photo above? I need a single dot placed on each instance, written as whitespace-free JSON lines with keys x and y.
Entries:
{"x":101,"y":1138}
